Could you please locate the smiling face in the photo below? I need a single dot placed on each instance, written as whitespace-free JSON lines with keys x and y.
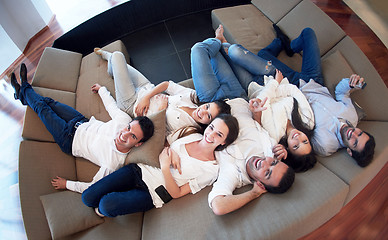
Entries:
{"x":353,"y":138}
{"x":129,"y":137}
{"x":215,"y":134}
{"x":205,"y":113}
{"x":266,"y":170}
{"x":298,"y":143}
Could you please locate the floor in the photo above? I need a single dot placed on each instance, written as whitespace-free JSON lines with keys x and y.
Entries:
{"x":153,"y":51}
{"x":377,"y":22}
{"x":162,"y":52}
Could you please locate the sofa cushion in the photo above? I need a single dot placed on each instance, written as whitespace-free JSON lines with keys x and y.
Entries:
{"x":374,"y":98}
{"x":94,"y":70}
{"x":314,"y":198}
{"x":275,"y":9}
{"x":33,"y":127}
{"x":66,"y":214}
{"x":334,"y":68}
{"x":241,"y":27}
{"x":346,"y":168}
{"x":307,"y":14}
{"x":148,"y":152}
{"x":58,"y":69}
{"x":39,"y":163}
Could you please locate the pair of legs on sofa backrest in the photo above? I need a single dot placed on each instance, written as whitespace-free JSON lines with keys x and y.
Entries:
{"x":247,"y":67}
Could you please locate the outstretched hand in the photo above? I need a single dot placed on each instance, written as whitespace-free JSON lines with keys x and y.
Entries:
{"x":59,"y":183}
{"x":257,"y":105}
{"x":96,"y":87}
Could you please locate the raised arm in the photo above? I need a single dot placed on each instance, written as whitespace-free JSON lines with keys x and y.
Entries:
{"x":344,"y":87}
{"x":144,"y":103}
{"x":108,"y":101}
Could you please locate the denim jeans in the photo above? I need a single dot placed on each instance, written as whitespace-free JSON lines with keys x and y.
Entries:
{"x":251,"y":67}
{"x":311,"y":63}
{"x":121,"y":192}
{"x":58,"y":118}
{"x":127,"y":80}
{"x":213,"y":77}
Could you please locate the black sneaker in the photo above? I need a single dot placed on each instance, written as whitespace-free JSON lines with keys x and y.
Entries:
{"x":15,"y":86}
{"x":284,"y":39}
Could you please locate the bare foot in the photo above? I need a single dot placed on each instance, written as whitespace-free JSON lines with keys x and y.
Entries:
{"x":220,"y":34}
{"x":98,"y":51}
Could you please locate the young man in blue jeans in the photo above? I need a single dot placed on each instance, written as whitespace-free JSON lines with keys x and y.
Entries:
{"x":106,"y":144}
{"x":335,"y":119}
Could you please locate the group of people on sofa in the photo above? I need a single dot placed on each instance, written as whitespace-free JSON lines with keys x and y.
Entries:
{"x":250,"y":120}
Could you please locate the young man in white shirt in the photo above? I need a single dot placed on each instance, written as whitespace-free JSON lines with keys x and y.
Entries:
{"x":106,"y":144}
{"x":249,"y":161}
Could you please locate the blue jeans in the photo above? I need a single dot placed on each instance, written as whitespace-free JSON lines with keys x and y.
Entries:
{"x":58,"y":118}
{"x":213,"y":77}
{"x":121,"y":192}
{"x":251,"y":67}
{"x":311,"y":63}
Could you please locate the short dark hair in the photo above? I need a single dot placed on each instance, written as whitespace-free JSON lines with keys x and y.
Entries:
{"x":364,"y":158}
{"x":147,"y":126}
{"x":284,"y":184}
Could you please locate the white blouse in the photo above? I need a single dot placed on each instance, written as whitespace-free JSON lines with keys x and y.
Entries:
{"x":197,"y":173}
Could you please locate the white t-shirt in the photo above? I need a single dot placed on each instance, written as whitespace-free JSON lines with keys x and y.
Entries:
{"x":253,"y":140}
{"x":197,"y":173}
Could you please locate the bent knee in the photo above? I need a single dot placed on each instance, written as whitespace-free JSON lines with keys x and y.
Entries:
{"x":117,"y":55}
{"x":107,"y":206}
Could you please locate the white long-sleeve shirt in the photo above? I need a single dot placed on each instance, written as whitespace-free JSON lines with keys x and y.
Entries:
{"x":94,"y":141}
{"x":280,"y":105}
{"x":328,"y":112}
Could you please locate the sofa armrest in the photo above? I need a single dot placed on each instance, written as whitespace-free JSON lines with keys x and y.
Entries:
{"x":39,"y":162}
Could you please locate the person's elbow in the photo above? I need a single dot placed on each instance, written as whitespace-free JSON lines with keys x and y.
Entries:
{"x":218,"y":207}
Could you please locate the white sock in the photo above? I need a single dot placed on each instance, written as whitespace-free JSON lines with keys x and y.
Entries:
{"x":98,"y":212}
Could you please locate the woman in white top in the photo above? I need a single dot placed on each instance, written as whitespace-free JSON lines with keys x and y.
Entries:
{"x":137,"y":96}
{"x":189,"y":165}
{"x":283,"y":110}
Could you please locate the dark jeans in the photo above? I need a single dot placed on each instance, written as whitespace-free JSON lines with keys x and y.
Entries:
{"x":257,"y":65}
{"x":311,"y":63}
{"x":121,"y":192}
{"x":58,"y":118}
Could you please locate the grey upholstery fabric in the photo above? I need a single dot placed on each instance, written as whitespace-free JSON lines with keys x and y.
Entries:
{"x":275,"y":9}
{"x":346,"y":168}
{"x":39,"y":162}
{"x":58,"y":69}
{"x":307,"y":14}
{"x":315,"y":196}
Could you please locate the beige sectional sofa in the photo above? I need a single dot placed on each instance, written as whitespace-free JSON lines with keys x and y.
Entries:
{"x":316,"y":196}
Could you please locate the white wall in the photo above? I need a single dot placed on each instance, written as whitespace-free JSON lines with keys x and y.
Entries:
{"x":9,"y":51}
{"x":20,"y":20}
